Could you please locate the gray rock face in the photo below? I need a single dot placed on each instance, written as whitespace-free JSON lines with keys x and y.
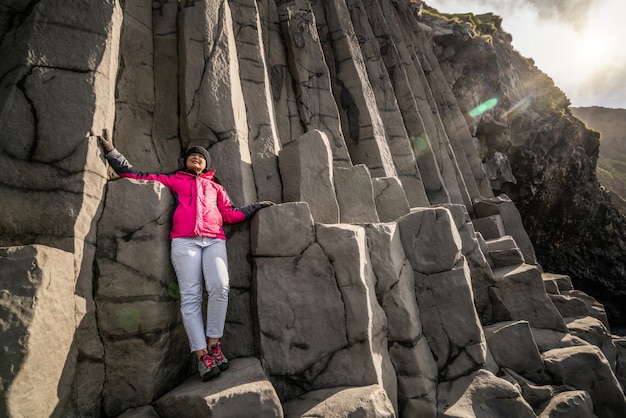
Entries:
{"x":551,"y":155}
{"x":572,"y":404}
{"x":306,"y":169}
{"x":243,"y":390}
{"x":355,"y":195}
{"x":36,"y":310}
{"x":316,"y":104}
{"x":386,"y":281}
{"x":587,"y":369}
{"x":366,"y":401}
{"x":512,"y":346}
{"x":390,"y":198}
{"x":255,"y":86}
{"x":138,"y":314}
{"x":481,"y":394}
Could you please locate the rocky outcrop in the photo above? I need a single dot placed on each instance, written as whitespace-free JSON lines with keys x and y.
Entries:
{"x":610,"y":170}
{"x":388,"y":280}
{"x":539,"y":154}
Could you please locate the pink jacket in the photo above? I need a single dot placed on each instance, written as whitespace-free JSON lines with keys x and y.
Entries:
{"x":202,"y":204}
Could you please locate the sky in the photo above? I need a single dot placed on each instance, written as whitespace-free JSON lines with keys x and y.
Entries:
{"x":578,"y":43}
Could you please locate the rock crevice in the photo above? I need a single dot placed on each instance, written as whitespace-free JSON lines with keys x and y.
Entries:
{"x":400,"y":273}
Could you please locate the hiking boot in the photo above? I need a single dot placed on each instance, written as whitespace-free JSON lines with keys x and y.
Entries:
{"x":207,"y":367}
{"x":219,"y":357}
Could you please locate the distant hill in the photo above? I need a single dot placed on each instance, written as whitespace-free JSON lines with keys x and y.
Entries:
{"x":612,"y":160}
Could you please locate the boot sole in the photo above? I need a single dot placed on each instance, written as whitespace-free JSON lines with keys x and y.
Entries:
{"x":214,"y":372}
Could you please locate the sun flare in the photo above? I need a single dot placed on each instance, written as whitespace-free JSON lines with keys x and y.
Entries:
{"x":593,"y":50}
{"x":577,"y":43}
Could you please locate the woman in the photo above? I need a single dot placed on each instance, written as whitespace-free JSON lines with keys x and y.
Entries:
{"x":198,"y":247}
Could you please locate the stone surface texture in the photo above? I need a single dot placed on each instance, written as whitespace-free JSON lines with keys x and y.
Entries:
{"x":418,"y":261}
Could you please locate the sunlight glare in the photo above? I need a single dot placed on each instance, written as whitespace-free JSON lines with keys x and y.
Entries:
{"x":420,"y":145}
{"x":483,"y":107}
{"x":519,"y":107}
{"x":583,"y":54}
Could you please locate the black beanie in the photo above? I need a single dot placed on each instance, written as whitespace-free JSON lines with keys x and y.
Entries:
{"x":199,"y":150}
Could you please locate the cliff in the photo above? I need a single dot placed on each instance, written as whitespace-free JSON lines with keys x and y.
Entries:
{"x":611,"y":123}
{"x":541,"y":156}
{"x":429,"y":183}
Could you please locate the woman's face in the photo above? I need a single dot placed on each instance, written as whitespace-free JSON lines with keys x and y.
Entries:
{"x":196,"y":162}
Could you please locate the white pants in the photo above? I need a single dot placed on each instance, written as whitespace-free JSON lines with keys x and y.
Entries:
{"x":193,"y":259}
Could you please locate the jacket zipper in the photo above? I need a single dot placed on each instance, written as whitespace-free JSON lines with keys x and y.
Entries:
{"x":198,"y":223}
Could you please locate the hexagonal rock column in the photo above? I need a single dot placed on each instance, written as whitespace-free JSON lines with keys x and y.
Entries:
{"x":319,"y":323}
{"x":243,"y":390}
{"x":512,"y":346}
{"x":366,"y":401}
{"x":212,"y":107}
{"x":408,"y":349}
{"x":263,"y":135}
{"x":443,"y":291}
{"x":362,"y":126}
{"x":391,"y":200}
{"x":586,"y":368}
{"x":512,"y":220}
{"x":481,"y":394}
{"x":523,"y":296}
{"x":355,"y":195}
{"x":37,"y":325}
{"x":306,"y":168}
{"x":137,"y":296}
{"x":316,"y":104}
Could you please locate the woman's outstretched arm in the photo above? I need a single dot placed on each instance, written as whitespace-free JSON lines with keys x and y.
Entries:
{"x":122,"y":166}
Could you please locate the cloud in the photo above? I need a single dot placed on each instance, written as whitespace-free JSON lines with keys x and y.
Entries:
{"x":607,"y":89}
{"x":571,"y":12}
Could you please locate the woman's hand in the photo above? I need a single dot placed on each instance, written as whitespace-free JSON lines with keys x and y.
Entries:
{"x":106,"y":141}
